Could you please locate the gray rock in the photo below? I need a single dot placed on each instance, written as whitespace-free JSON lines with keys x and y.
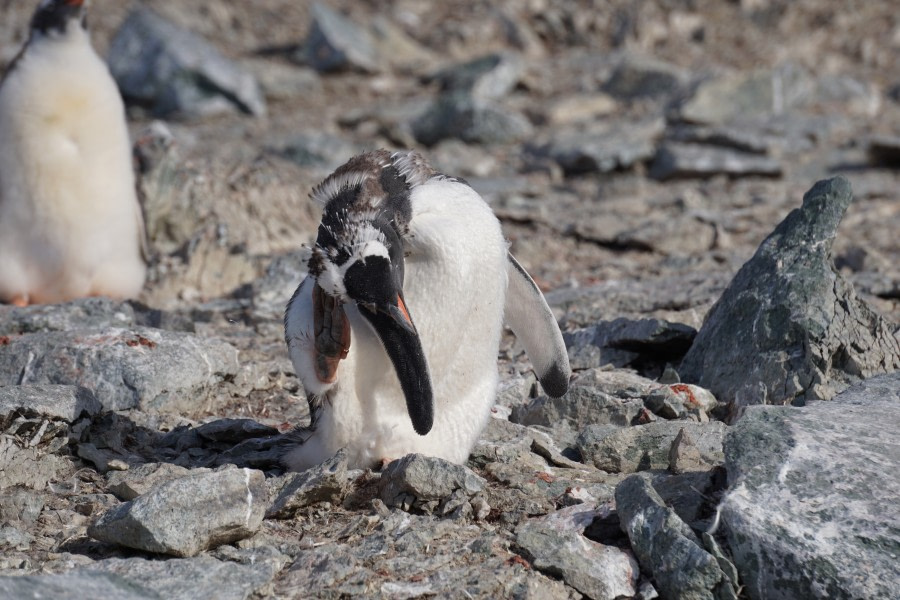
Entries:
{"x":489,"y":77}
{"x":644,"y":77}
{"x":78,"y":314}
{"x":65,"y":402}
{"x":744,"y":139}
{"x":744,"y":95}
{"x":271,"y":292}
{"x":329,"y":481}
{"x":628,"y":343}
{"x":556,"y":545}
{"x":188,"y":578}
{"x":675,"y":160}
{"x":459,"y":115}
{"x":680,"y":400}
{"x":642,"y":447}
{"x":419,"y":479}
{"x":74,"y":586}
{"x":335,"y":43}
{"x":811,"y":510}
{"x":666,"y":547}
{"x":580,"y":407}
{"x":20,"y":507}
{"x":318,"y":149}
{"x":125,"y":368}
{"x":171,"y":70}
{"x":603,"y":148}
{"x":34,"y":468}
{"x":789,"y":328}
{"x":188,"y":515}
{"x":128,"y":485}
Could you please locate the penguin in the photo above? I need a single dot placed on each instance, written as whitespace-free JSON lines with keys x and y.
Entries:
{"x":394,"y":328}
{"x":70,"y":222}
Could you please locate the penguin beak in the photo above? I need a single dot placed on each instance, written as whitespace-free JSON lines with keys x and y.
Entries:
{"x":394,"y":327}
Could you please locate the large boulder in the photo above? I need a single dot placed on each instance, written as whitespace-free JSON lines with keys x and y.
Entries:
{"x":790,"y":328}
{"x":812,"y":509}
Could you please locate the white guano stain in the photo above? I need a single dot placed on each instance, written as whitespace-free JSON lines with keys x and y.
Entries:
{"x":249,"y":498}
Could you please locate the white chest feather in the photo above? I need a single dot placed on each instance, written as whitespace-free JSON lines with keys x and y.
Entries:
{"x":67,"y":189}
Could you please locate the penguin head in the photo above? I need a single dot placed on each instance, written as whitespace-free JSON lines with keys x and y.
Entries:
{"x":359,"y":260}
{"x":54,"y":17}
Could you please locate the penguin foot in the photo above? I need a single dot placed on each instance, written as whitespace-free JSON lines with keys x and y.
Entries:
{"x":20,"y":300}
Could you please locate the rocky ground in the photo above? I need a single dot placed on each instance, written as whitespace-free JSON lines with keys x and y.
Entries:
{"x":646,"y":159}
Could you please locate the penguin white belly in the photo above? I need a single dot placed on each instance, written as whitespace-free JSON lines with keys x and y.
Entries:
{"x":454,"y":287}
{"x":70,"y":223}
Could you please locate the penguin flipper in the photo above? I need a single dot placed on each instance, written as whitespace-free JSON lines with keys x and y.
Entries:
{"x":530,"y":318}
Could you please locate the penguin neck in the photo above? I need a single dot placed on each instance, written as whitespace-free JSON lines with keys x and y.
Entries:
{"x":75,"y":36}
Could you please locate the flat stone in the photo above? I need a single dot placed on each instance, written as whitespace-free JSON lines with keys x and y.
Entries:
{"x":188,"y":515}
{"x":675,"y":160}
{"x":136,"y":367}
{"x":458,"y":115}
{"x":175,"y":71}
{"x":489,"y":77}
{"x":77,"y":314}
{"x":811,"y":510}
{"x":188,"y":578}
{"x":64,"y":402}
{"x":744,"y":139}
{"x":31,"y":467}
{"x":232,"y":431}
{"x":742,"y":95}
{"x":318,"y":149}
{"x":602,"y":148}
{"x":667,"y":548}
{"x":74,"y":586}
{"x":136,"y":481}
{"x":335,"y":43}
{"x":642,"y":447}
{"x":556,"y":545}
{"x":790,"y":328}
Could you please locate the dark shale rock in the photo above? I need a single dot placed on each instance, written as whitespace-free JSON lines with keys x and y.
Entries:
{"x":667,"y":548}
{"x":628,"y":343}
{"x":884,"y":150}
{"x":644,"y":77}
{"x":462,"y":116}
{"x":335,"y":43}
{"x":602,"y":148}
{"x":789,"y":328}
{"x":811,"y":510}
{"x":556,"y":545}
{"x":675,"y":160}
{"x":188,"y":515}
{"x":174,"y":71}
{"x":125,"y":368}
{"x":318,"y":149}
{"x":744,"y":139}
{"x":642,"y":447}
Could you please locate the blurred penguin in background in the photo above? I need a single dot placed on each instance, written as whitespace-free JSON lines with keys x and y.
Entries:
{"x":70,"y":221}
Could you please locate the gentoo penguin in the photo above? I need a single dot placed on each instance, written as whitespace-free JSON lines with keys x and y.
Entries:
{"x":395,"y":328}
{"x":70,"y":222}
